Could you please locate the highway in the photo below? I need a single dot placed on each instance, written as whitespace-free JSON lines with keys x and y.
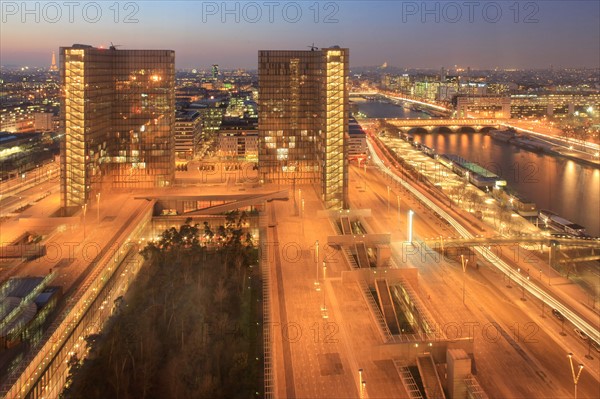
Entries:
{"x":587,"y":327}
{"x":518,"y":353}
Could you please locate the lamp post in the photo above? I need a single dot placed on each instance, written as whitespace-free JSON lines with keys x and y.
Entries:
{"x":363,"y":389}
{"x":317,"y":284}
{"x":388,"y":199}
{"x":324,"y":308}
{"x":398,"y":200}
{"x":464,"y":267}
{"x":365,"y":175}
{"x":84,"y":208}
{"x":410,"y":226}
{"x":98,"y":207}
{"x":575,"y":376}
{"x":523,"y":286}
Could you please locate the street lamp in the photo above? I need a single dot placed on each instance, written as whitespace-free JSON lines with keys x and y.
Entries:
{"x":324,"y":308}
{"x":98,"y":208}
{"x":363,"y":389}
{"x":523,"y":286}
{"x":575,"y":377}
{"x":84,"y":208}
{"x":410,"y":225}
{"x":317,"y":285}
{"x":464,"y":267}
{"x":365,"y":175}
{"x":398,"y":200}
{"x":388,"y":198}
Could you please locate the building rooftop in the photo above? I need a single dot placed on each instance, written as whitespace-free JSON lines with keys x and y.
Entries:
{"x":186,"y":116}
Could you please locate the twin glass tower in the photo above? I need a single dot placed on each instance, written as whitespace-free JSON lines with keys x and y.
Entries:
{"x":303,"y":120}
{"x":118,"y":114}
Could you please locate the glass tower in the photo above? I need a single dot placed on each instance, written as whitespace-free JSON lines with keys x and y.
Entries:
{"x":303,"y":120}
{"x":118,"y":113}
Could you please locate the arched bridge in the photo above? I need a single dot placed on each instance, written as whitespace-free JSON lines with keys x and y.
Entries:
{"x":454,"y":125}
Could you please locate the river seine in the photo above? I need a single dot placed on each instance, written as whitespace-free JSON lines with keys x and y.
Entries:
{"x":565,"y":187}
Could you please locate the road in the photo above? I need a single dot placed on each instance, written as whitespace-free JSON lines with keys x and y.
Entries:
{"x":544,"y":355}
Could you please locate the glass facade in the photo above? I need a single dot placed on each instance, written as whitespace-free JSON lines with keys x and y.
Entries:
{"x":334,"y":137}
{"x":118,"y":115}
{"x":303,"y":120}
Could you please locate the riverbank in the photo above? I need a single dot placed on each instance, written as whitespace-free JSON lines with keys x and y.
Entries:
{"x":533,"y":143}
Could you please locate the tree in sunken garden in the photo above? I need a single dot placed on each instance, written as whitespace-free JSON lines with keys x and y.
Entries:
{"x":189,"y":326}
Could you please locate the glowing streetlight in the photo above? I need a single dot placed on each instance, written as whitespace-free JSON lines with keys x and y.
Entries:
{"x":464,"y":268}
{"x":317,"y":284}
{"x":388,"y":198}
{"x":84,"y":208}
{"x":365,"y":175}
{"x":523,"y":286}
{"x":98,"y":208}
{"x":575,"y":376}
{"x":324,"y":308}
{"x":410,"y":225}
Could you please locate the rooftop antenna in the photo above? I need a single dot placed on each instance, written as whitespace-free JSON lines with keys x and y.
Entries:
{"x":114,"y":46}
{"x":312,"y":47}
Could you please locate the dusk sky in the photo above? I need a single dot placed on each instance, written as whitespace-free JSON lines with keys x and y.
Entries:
{"x":484,"y":34}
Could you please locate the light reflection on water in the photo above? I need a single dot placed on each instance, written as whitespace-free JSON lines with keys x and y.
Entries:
{"x":563,"y":186}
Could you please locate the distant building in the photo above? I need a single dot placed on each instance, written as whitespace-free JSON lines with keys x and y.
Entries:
{"x":483,"y":107}
{"x":400,"y":83}
{"x":211,"y":113}
{"x":188,"y":134}
{"x":43,"y":122}
{"x":53,"y":67}
{"x":22,"y":152}
{"x":446,"y":91}
{"x":238,"y":139}
{"x":426,"y":89}
{"x":554,"y":104}
{"x":118,"y":115}
{"x":303,"y":120}
{"x":357,"y":140}
{"x":240,"y":145}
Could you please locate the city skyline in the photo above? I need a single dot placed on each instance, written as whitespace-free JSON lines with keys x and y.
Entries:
{"x":482,"y":35}
{"x":300,"y":199}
